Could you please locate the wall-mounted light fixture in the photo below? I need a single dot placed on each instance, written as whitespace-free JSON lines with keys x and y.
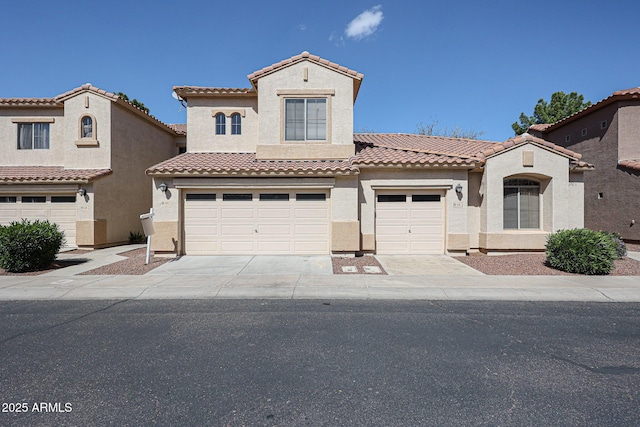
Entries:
{"x":163,"y":187}
{"x":82,"y":192}
{"x":459,"y":189}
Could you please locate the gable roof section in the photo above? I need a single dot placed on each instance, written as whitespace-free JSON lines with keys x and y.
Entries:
{"x":306,"y":56}
{"x":49,"y":174}
{"x":423,"y":150}
{"x":630,"y":164}
{"x":246,"y":164}
{"x":619,"y":95}
{"x":114,"y":98}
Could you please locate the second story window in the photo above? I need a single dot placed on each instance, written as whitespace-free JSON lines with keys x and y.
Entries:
{"x":221,"y":124}
{"x":33,"y":136}
{"x":236,"y":124}
{"x":305,"y":119}
{"x":86,"y":127}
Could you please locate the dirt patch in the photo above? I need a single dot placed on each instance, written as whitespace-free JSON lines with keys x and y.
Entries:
{"x":535,"y":265}
{"x":133,"y":266}
{"x":358,"y":262}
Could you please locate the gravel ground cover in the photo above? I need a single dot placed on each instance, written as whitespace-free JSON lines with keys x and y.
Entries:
{"x":133,"y":265}
{"x":358,"y":262}
{"x":534,"y":265}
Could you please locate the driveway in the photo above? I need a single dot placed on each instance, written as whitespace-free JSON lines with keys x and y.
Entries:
{"x":313,"y":265}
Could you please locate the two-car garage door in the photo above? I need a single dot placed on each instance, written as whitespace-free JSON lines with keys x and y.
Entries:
{"x":60,"y":209}
{"x":256,"y":222}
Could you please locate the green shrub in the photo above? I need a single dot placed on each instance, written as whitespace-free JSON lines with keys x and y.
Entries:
{"x":136,"y":237}
{"x":621,"y":248}
{"x":581,"y":251}
{"x":29,"y":246}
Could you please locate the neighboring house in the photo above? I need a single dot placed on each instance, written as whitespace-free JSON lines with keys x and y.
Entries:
{"x":607,"y":133}
{"x":78,"y":160}
{"x":277,"y":169}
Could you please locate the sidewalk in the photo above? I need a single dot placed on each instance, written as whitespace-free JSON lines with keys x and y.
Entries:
{"x":310,"y":282}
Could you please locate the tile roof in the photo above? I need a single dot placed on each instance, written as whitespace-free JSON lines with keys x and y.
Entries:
{"x":187,"y":91}
{"x":300,"y":57}
{"x":180,"y":128}
{"x":47,"y":174}
{"x":400,"y":149}
{"x":29,"y":102}
{"x":630,"y":164}
{"x":619,"y":95}
{"x":247,"y":164}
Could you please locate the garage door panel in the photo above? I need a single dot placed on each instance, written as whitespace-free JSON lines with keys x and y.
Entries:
{"x":278,"y":246}
{"x":392,"y":214}
{"x":392,"y":230}
{"x":434,"y":214}
{"x":274,"y":213}
{"x":310,"y":247}
{"x":429,"y":230}
{"x":238,"y":246}
{"x":274,"y":229}
{"x":320,"y":230}
{"x":391,"y":247}
{"x":230,"y":213}
{"x":236,"y":230}
{"x":202,"y":213}
{"x":8,"y":215}
{"x":311,"y":213}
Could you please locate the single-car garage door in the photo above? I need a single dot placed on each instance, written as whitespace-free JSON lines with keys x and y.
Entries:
{"x":60,"y":209}
{"x":409,"y":222}
{"x":256,"y":222}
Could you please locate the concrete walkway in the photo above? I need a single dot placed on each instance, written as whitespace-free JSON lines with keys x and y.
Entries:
{"x":410,"y":278}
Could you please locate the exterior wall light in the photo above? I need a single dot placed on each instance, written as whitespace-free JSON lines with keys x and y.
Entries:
{"x":459,"y":189}
{"x":82,"y":192}
{"x":163,"y":187}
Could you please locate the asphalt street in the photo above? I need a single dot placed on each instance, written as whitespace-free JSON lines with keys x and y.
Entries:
{"x":319,"y":363}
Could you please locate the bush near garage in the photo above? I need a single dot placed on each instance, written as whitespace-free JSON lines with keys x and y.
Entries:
{"x":29,"y":246}
{"x":581,"y":251}
{"x":621,"y":247}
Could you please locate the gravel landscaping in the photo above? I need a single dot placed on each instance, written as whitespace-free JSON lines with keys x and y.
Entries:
{"x":534,"y":265}
{"x":133,"y":265}
{"x":358,"y":262}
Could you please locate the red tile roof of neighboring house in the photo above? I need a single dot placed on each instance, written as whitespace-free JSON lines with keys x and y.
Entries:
{"x":540,"y":127}
{"x":246,"y":164}
{"x":180,"y":128}
{"x":619,"y":95}
{"x":46,"y":174}
{"x":630,"y":164}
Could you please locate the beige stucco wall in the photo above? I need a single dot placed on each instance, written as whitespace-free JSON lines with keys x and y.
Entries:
{"x":441,"y":181}
{"x":126,"y":194}
{"x":560,"y":207}
{"x":290,"y":81}
{"x":201,"y":125}
{"x":345,"y":228}
{"x":87,"y":157}
{"x":11,"y":156}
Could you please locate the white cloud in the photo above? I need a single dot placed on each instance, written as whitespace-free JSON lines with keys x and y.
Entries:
{"x":336,"y":39}
{"x":302,"y":27}
{"x":365,"y":24}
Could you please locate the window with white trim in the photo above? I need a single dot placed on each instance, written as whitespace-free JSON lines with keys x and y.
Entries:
{"x":305,"y":119}
{"x":33,"y":136}
{"x":521,"y":204}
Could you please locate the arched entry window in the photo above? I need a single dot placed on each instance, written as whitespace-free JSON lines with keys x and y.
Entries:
{"x":521,"y":204}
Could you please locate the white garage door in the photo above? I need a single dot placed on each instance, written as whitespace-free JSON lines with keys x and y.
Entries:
{"x":409,"y":223}
{"x":256,"y":222}
{"x":60,"y":209}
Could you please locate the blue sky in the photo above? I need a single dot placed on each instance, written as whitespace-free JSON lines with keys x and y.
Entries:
{"x":468,"y":64}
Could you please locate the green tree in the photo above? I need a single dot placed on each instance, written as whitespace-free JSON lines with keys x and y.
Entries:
{"x":133,"y":102}
{"x":561,"y":105}
{"x":432,"y":128}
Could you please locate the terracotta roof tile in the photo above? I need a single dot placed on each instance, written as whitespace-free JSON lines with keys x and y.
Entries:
{"x":187,"y":91}
{"x":29,"y":102}
{"x":630,"y":164}
{"x":304,"y":55}
{"x":456,"y":147}
{"x":180,"y":128}
{"x":540,"y":127}
{"x":246,"y":164}
{"x":42,"y":174}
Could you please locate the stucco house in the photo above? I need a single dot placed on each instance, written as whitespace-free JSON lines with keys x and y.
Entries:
{"x":78,"y":160}
{"x":607,"y":133}
{"x":276,"y":169}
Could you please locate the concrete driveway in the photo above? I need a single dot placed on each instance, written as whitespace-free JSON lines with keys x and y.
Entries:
{"x":313,"y":265}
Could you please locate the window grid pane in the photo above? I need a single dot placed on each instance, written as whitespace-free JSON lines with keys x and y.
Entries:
{"x":221,"y":124}
{"x":25,"y":136}
{"x":236,"y":124}
{"x":41,"y":135}
{"x":316,"y":119}
{"x":294,"y":120}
